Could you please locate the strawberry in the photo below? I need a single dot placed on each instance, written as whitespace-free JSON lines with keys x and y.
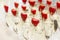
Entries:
{"x":35,"y":21}
{"x":40,"y":1}
{"x":58,"y":4}
{"x":24,"y":1}
{"x":16,"y":4}
{"x":14,"y":12}
{"x":32,"y":3}
{"x":6,"y":8}
{"x":33,"y":11}
{"x":41,"y":7}
{"x":23,"y":7}
{"x":23,"y":16}
{"x":44,"y":16}
{"x":52,"y":10}
{"x":49,"y":2}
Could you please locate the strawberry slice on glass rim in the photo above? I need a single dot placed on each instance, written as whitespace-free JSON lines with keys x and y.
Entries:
{"x":24,"y":16}
{"x":35,"y":21}
{"x":16,"y":4}
{"x":32,"y":3}
{"x":6,"y":8}
{"x":14,"y":12}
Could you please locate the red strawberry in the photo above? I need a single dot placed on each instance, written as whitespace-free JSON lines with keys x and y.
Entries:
{"x":58,"y":4}
{"x":52,"y":10}
{"x":33,"y":11}
{"x":6,"y":8}
{"x":44,"y":16}
{"x":23,"y":16}
{"x":23,"y":7}
{"x":16,"y":4}
{"x":40,"y":1}
{"x":14,"y":12}
{"x":41,"y":7}
{"x":32,"y":3}
{"x":24,"y":1}
{"x":49,"y":2}
{"x":35,"y":21}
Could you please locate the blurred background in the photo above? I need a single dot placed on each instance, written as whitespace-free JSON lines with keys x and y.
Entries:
{"x":5,"y":32}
